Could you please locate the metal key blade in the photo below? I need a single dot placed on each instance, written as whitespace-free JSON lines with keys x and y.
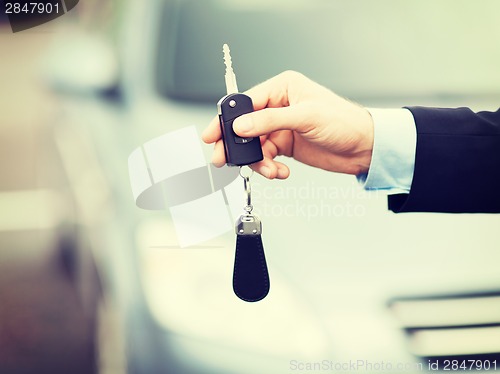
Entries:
{"x":231,"y":86}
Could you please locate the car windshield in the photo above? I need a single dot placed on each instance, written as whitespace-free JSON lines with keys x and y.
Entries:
{"x":361,"y":49}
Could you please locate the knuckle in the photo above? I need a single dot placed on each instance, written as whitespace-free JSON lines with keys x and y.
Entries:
{"x":292,"y":75}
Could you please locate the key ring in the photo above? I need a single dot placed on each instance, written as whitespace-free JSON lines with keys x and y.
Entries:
{"x":248,"y":190}
{"x":245,"y":176}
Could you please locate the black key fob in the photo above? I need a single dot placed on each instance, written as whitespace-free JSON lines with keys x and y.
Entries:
{"x":239,"y":151}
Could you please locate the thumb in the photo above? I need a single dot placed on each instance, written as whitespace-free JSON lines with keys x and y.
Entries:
{"x":268,"y":120}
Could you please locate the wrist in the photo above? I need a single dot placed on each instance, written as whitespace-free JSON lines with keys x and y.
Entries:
{"x":364,"y":150}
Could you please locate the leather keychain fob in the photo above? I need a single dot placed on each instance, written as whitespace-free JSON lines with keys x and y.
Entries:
{"x":239,"y":151}
{"x":250,"y":275}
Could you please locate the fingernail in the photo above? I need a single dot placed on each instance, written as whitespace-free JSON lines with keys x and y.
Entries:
{"x":265,"y":171}
{"x":243,"y":125}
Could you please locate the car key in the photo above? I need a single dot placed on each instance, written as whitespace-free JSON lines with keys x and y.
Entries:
{"x":239,"y":151}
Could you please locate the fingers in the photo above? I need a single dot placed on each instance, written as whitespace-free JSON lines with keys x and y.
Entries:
{"x":219,"y":157}
{"x":268,"y":167}
{"x":269,"y":120}
{"x":271,"y":169}
{"x":276,"y":91}
{"x":271,"y":100}
{"x":212,"y":133}
{"x":271,"y":92}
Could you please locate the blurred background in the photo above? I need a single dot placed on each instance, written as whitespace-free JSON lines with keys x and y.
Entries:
{"x":90,"y":283}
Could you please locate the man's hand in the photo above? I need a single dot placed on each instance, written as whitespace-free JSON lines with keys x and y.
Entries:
{"x":299,"y":118}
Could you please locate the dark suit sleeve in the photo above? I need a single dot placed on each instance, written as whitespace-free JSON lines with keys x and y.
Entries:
{"x":457,"y":163}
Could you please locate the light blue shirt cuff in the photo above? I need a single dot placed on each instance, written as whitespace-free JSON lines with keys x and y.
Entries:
{"x":393,"y":155}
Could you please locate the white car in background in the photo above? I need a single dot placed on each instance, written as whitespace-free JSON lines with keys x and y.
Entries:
{"x":336,"y":255}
